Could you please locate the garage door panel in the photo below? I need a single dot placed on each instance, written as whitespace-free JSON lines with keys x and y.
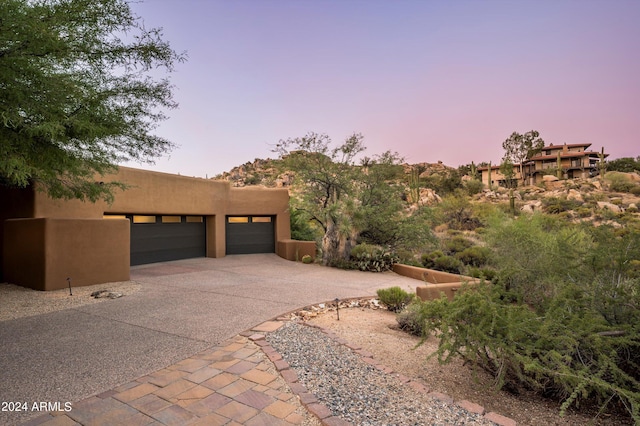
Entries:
{"x":161,"y":242}
{"x":250,"y":237}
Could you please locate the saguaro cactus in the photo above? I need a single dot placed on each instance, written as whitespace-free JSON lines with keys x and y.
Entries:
{"x":602,"y":165}
{"x":559,"y":166}
{"x":489,"y":175}
{"x":414,"y":185}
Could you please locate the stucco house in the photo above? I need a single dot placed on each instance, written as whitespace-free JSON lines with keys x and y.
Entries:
{"x":575,"y":160}
{"x":160,"y":217}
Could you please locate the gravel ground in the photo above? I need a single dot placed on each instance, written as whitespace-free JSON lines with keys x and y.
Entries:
{"x":20,"y":302}
{"x":355,"y":390}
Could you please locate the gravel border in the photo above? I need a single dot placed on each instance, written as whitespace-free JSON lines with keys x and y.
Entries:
{"x":351,"y":388}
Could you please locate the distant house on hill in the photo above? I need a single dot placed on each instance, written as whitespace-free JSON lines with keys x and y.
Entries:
{"x":566,"y":161}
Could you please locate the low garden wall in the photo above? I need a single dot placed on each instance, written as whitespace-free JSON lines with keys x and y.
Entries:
{"x":436,"y":282}
{"x":294,"y":249}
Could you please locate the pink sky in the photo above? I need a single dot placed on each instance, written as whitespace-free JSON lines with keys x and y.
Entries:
{"x":433,"y":80}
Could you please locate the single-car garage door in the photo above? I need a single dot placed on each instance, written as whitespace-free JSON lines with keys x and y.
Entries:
{"x":156,"y":238}
{"x":250,"y":234}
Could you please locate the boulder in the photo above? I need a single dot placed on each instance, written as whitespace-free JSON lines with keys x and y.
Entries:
{"x":574,"y":195}
{"x":604,"y":205}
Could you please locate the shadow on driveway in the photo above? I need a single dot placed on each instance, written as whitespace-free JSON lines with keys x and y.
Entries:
{"x":182,"y":308}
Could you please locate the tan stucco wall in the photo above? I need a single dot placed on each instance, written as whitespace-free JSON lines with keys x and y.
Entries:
{"x":147,"y":193}
{"x":429,"y":275}
{"x":263,"y":201}
{"x":436,"y":282}
{"x":43,"y":252}
{"x":295,"y":250}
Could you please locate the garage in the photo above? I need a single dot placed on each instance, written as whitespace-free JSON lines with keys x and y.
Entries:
{"x":250,"y":234}
{"x":160,"y":238}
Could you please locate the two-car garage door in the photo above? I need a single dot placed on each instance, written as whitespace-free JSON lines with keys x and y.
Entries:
{"x":160,"y":238}
{"x":164,"y":238}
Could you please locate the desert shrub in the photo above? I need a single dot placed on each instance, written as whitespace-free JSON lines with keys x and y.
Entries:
{"x":573,"y":352}
{"x":363,"y":248}
{"x":486,"y":273}
{"x":583,"y":212}
{"x":474,"y":256}
{"x":407,"y":257}
{"x":448,"y":264}
{"x":456,"y":212}
{"x":561,"y":317}
{"x":555,"y":205}
{"x":307,"y":259}
{"x":457,"y":244}
{"x":473,"y":186}
{"x":301,"y":228}
{"x":624,"y":164}
{"x":411,"y":319}
{"x":429,"y":259}
{"x":252,"y":180}
{"x":394,"y":298}
{"x":619,"y":182}
{"x":534,"y":253}
{"x":635,"y":190}
{"x":372,"y":259}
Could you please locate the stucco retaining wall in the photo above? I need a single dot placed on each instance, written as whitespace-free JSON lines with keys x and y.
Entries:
{"x":294,"y":249}
{"x":43,"y":252}
{"x":436,"y":282}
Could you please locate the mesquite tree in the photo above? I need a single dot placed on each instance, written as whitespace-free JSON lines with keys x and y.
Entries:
{"x":78,"y":96}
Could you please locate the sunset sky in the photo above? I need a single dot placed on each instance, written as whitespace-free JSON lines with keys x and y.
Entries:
{"x":433,"y":80}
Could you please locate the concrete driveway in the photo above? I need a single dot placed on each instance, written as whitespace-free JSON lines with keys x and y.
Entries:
{"x":182,"y":308}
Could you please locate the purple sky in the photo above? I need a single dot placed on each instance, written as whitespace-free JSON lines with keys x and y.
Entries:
{"x":432,"y":80}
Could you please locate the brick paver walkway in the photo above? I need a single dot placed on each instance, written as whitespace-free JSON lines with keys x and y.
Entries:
{"x":243,"y":381}
{"x":231,"y":384}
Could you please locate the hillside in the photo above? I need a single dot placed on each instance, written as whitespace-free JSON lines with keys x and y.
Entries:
{"x":594,"y":199}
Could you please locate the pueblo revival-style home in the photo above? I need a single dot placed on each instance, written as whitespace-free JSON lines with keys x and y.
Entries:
{"x":48,"y":244}
{"x":569,"y":160}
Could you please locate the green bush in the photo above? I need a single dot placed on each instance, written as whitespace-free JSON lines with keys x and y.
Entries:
{"x":370,"y":258}
{"x":574,"y":352}
{"x":407,"y":257}
{"x":363,"y":248}
{"x":394,"y":298}
{"x":448,"y":264}
{"x":474,"y":186}
{"x":411,"y":319}
{"x":488,"y":274}
{"x":474,"y":256}
{"x":429,"y":259}
{"x":619,"y":182}
{"x":555,"y":205}
{"x":583,"y":212}
{"x":562,"y":317}
{"x":456,"y":245}
{"x":301,"y":228}
{"x":635,"y":190}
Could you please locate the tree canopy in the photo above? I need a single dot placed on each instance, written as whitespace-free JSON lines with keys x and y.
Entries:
{"x":350,"y":201}
{"x":79,"y":94}
{"x":519,"y":148}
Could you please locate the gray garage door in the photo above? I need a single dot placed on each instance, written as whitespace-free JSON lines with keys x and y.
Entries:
{"x":250,"y":234}
{"x":157,"y":238}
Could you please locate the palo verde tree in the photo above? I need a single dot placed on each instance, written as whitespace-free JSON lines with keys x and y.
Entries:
{"x":78,"y":96}
{"x":519,"y":148}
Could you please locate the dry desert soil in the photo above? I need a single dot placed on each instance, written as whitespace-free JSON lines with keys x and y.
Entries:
{"x":376,"y":331}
